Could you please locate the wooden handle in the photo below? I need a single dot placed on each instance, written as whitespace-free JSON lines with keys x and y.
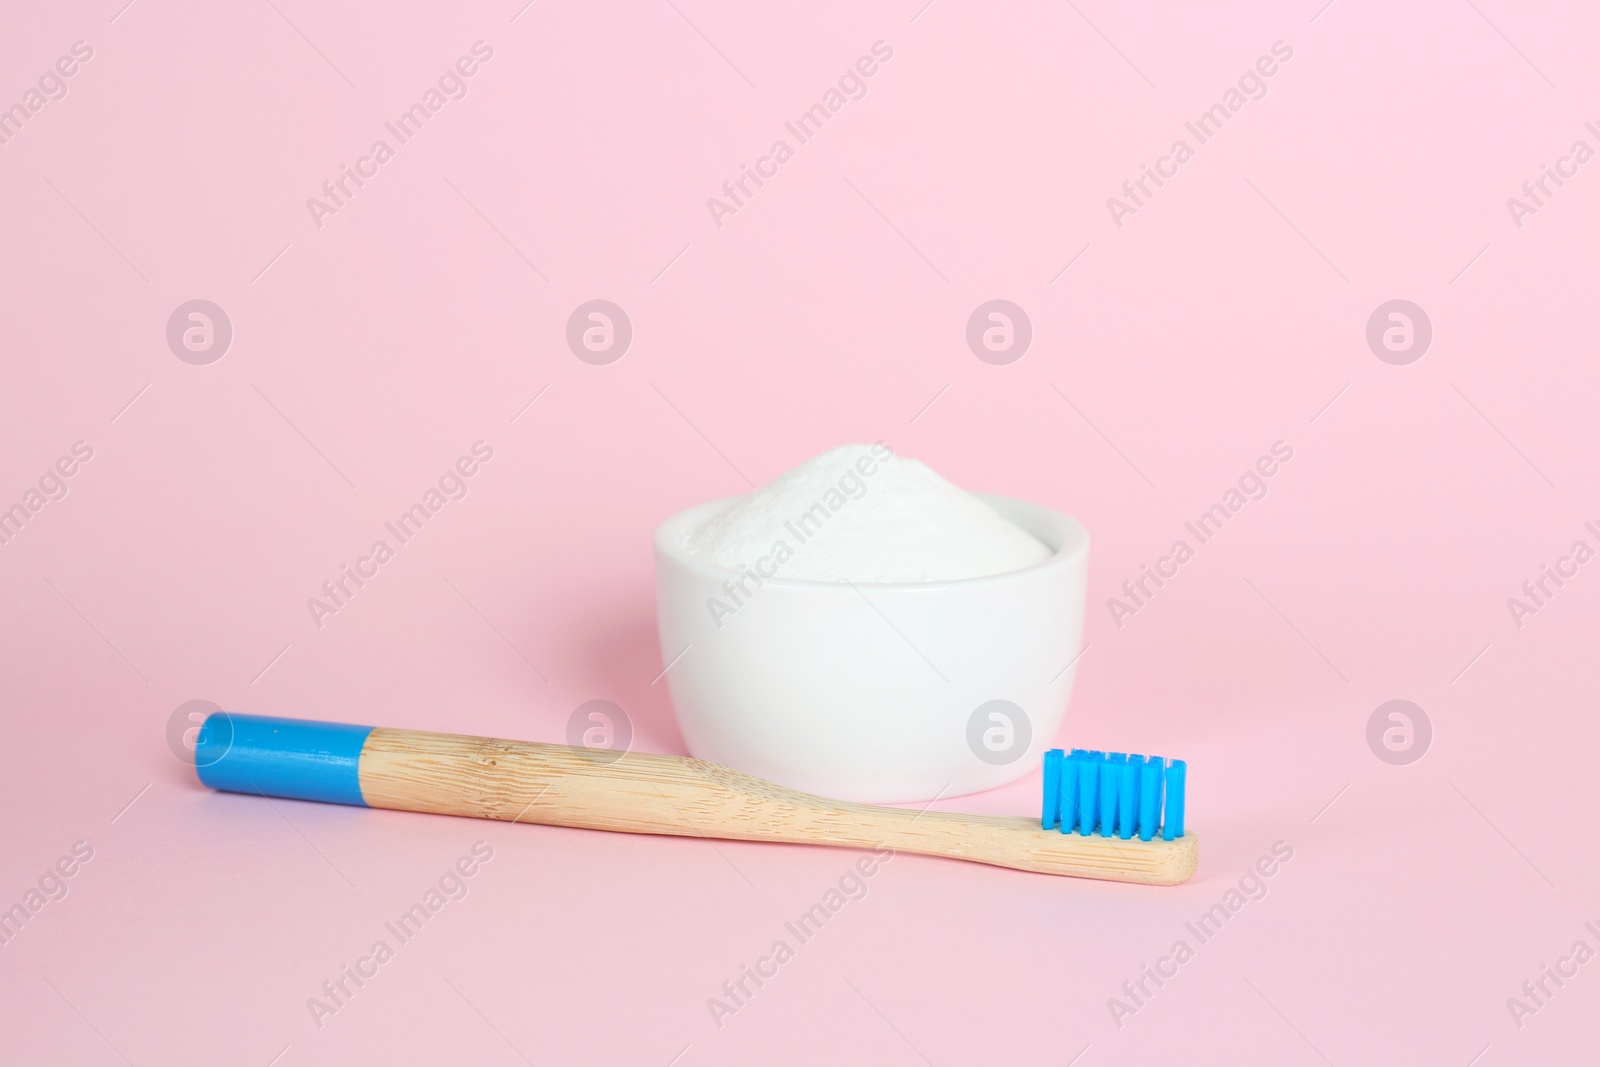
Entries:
{"x":641,"y":793}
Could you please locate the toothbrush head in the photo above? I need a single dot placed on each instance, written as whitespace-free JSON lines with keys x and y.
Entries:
{"x":1113,"y":794}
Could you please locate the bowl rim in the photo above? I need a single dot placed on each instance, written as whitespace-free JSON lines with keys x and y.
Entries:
{"x":1070,"y":553}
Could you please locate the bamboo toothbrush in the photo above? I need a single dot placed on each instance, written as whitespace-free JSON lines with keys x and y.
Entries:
{"x":1100,"y":819}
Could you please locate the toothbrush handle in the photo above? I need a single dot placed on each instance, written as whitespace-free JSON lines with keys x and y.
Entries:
{"x":632,"y":792}
{"x":640,"y":792}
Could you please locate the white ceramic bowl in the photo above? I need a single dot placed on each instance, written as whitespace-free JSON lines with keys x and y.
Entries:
{"x":877,"y":693}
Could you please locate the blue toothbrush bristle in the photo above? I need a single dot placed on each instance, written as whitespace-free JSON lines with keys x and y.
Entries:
{"x":1088,"y":790}
{"x":1172,"y":825}
{"x":1110,"y":784}
{"x":1113,"y":794}
{"x":1128,"y":797}
{"x":1150,"y":797}
{"x":1052,"y":789}
{"x":1067,"y":792}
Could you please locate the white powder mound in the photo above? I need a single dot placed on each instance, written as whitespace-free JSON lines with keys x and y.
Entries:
{"x":860,"y":514}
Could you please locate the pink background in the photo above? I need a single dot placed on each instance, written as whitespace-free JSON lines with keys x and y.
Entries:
{"x":1228,"y":313}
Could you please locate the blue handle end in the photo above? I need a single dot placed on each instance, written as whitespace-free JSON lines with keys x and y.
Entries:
{"x":296,"y":758}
